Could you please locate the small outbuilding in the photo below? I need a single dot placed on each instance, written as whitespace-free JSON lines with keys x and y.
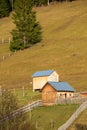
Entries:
{"x":83,"y":94}
{"x":52,"y":91}
{"x":40,"y":78}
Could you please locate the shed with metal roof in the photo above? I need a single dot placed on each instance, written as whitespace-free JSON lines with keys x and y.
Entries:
{"x":52,"y":91}
{"x":40,"y":78}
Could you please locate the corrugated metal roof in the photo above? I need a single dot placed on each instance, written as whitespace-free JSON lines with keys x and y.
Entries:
{"x":62,"y":86}
{"x":43,"y":73}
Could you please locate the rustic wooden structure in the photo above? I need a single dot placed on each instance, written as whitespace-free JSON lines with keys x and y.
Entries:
{"x":40,"y":78}
{"x":52,"y":91}
{"x":83,"y":94}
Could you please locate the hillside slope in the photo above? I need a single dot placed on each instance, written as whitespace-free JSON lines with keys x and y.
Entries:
{"x":63,"y":48}
{"x":80,"y":120}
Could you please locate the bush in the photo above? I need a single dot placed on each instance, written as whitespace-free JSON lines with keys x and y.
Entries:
{"x":81,"y":127}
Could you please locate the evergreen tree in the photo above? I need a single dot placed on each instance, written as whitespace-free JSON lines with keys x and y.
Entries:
{"x":4,"y":8}
{"x":28,"y":30}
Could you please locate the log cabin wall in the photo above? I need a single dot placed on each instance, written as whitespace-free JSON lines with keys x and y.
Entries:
{"x":49,"y":95}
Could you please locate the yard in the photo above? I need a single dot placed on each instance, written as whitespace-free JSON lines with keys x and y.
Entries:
{"x":51,"y":117}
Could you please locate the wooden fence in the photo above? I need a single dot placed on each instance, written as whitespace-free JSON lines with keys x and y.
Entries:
{"x":4,"y":57}
{"x":74,"y":116}
{"x":5,"y":40}
{"x":75,"y":100}
{"x":24,"y":109}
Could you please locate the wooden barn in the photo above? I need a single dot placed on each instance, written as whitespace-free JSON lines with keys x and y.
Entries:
{"x":40,"y":78}
{"x":52,"y":91}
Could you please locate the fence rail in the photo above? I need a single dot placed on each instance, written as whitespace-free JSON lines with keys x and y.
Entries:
{"x":5,"y":40}
{"x":74,"y":116}
{"x":24,"y":109}
{"x":4,"y":57}
{"x":76,"y":100}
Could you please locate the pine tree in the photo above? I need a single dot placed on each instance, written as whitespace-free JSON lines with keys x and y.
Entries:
{"x":28,"y":30}
{"x":4,"y":8}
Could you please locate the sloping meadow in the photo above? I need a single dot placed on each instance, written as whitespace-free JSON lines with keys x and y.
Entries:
{"x":63,"y":48}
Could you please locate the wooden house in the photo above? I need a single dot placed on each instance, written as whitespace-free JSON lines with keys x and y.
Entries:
{"x":52,"y":91}
{"x":40,"y":78}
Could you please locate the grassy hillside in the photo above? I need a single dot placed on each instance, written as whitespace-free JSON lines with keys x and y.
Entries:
{"x":6,"y":26}
{"x":4,"y":50}
{"x":82,"y":119}
{"x":63,"y":48}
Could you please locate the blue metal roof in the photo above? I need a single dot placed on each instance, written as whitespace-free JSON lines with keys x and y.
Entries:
{"x":61,"y":86}
{"x":43,"y":73}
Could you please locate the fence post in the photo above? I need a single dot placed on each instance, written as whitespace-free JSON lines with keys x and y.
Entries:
{"x":3,"y":57}
{"x":9,"y":54}
{"x":2,"y":40}
{"x":30,"y":114}
{"x":52,"y":124}
{"x":23,"y":91}
{"x":36,"y":125}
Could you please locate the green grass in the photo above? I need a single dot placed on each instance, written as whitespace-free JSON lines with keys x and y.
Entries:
{"x":82,"y":119}
{"x":63,"y":47}
{"x":25,"y":96}
{"x":46,"y":117}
